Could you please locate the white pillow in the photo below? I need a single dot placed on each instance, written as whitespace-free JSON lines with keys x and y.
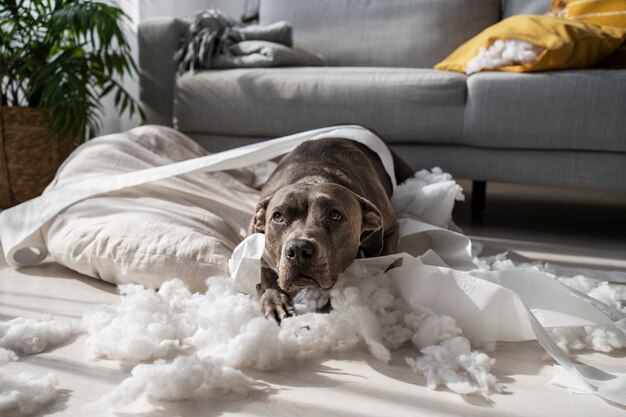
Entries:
{"x":184,"y":227}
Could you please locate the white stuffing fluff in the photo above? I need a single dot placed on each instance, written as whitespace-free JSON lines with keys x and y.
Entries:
{"x":177,"y":380}
{"x":223,"y":330}
{"x":453,"y":364}
{"x":157,"y":322}
{"x":436,"y":191}
{"x":27,"y":336}
{"x":503,"y":53}
{"x":611,"y":295}
{"x":7,"y":356}
{"x":26,"y":391}
{"x":597,"y":338}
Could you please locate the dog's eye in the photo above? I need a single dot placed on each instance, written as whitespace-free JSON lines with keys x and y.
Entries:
{"x":334,"y":215}
{"x":277,"y":216}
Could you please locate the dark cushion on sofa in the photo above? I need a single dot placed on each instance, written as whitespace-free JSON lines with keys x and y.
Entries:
{"x":573,"y":110}
{"x":402,"y":105}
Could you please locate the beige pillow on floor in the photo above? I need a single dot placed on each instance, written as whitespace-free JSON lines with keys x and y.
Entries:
{"x":183,"y":227}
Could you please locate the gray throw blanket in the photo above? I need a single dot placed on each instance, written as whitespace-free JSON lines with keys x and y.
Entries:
{"x":213,"y":40}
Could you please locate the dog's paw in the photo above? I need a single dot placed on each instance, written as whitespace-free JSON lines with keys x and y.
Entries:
{"x":276,"y":305}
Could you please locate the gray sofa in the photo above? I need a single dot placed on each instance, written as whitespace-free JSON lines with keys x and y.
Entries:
{"x":565,"y":128}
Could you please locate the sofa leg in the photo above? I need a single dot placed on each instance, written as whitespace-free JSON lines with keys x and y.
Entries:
{"x":479,"y":195}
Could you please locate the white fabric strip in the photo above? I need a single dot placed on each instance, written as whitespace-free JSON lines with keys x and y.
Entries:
{"x":20,"y":226}
{"x":488,"y":306}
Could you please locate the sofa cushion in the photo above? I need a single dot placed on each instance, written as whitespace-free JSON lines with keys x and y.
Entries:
{"x":512,"y":7}
{"x":573,"y":110}
{"x":390,"y":33}
{"x":402,"y":105}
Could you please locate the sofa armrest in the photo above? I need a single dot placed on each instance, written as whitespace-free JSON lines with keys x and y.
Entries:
{"x":158,"y":41}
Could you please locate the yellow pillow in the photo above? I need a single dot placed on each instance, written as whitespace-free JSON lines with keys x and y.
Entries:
{"x":567,"y":43}
{"x":600,"y":12}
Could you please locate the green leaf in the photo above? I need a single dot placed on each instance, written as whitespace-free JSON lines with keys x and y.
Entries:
{"x":65,"y":55}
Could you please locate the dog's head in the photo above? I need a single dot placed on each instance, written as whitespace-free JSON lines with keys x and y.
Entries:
{"x":314,"y":232}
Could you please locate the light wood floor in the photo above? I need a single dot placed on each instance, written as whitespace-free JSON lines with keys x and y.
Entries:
{"x":351,"y":384}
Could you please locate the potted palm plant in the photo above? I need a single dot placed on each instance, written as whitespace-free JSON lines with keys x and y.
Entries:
{"x":58,"y":59}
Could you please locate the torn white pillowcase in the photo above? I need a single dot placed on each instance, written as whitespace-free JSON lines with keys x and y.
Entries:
{"x":489,"y":306}
{"x":185,"y":226}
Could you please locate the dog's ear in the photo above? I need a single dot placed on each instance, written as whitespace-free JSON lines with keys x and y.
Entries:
{"x":258,"y":221}
{"x":372,"y":232}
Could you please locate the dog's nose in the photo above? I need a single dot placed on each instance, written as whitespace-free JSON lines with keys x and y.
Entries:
{"x":299,"y":250}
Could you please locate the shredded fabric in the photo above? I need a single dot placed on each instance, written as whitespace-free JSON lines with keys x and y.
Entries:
{"x":597,"y":338}
{"x":503,"y":53}
{"x":611,"y":295}
{"x":565,"y":379}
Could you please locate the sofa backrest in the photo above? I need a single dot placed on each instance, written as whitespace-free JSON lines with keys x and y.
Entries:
{"x":389,"y":33}
{"x":512,"y":7}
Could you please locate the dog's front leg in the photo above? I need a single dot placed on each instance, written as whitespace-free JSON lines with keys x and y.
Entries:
{"x":275,"y":303}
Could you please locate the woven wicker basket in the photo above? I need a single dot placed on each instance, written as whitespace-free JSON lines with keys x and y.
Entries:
{"x":29,"y":156}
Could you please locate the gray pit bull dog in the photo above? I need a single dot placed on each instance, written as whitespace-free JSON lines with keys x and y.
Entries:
{"x":327,"y":201}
